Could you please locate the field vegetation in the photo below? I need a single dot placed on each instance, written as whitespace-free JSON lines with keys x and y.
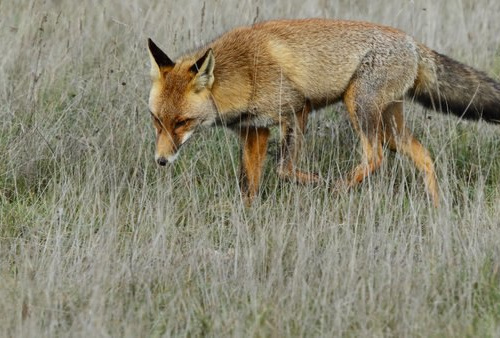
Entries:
{"x":97,"y":240}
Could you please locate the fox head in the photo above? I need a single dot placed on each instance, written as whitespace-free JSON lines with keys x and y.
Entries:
{"x":180,"y":100}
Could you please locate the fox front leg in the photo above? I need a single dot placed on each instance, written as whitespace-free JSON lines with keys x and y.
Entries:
{"x":291,"y":145}
{"x":253,"y":153}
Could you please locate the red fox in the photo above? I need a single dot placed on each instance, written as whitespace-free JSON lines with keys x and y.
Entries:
{"x":273,"y":73}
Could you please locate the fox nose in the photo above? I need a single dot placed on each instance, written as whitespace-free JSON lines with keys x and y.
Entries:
{"x":162,"y":161}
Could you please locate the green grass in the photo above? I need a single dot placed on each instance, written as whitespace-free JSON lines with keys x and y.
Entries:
{"x":96,"y":240}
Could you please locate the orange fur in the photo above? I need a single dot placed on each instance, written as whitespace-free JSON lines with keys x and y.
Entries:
{"x":274,"y":73}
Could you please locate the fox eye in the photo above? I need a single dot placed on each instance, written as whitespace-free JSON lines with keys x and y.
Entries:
{"x":153,"y":116}
{"x":181,"y":123}
{"x":157,"y":123}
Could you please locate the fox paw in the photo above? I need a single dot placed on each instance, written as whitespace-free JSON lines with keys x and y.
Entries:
{"x":298,"y":176}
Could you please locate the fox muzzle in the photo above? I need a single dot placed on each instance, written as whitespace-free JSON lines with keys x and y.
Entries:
{"x":161,"y":161}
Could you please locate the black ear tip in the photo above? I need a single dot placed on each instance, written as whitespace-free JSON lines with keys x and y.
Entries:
{"x":160,"y":57}
{"x":152,"y":45}
{"x":209,"y":52}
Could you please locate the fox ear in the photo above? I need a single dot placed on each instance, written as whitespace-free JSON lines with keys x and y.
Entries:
{"x":204,"y":70}
{"x":159,"y":59}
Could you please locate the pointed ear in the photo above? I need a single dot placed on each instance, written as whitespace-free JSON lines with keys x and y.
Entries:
{"x":159,"y":59}
{"x":204,"y":70}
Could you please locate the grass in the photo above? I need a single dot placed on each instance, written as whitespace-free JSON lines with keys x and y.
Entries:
{"x":96,"y":240}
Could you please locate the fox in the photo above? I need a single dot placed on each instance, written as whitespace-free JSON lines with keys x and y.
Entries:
{"x":275,"y":73}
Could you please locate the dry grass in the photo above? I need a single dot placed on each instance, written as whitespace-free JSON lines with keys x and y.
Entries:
{"x":95,"y":240}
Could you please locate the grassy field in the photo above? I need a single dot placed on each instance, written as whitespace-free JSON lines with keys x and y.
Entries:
{"x":96,"y":240}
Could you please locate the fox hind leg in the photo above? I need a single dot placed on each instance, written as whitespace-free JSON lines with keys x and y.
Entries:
{"x":400,"y":139}
{"x":291,"y":145}
{"x":366,"y":119}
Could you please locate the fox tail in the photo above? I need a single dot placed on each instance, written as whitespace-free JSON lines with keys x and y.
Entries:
{"x":449,"y":86}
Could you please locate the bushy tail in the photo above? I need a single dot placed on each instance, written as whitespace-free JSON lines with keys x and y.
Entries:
{"x":451,"y":87}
